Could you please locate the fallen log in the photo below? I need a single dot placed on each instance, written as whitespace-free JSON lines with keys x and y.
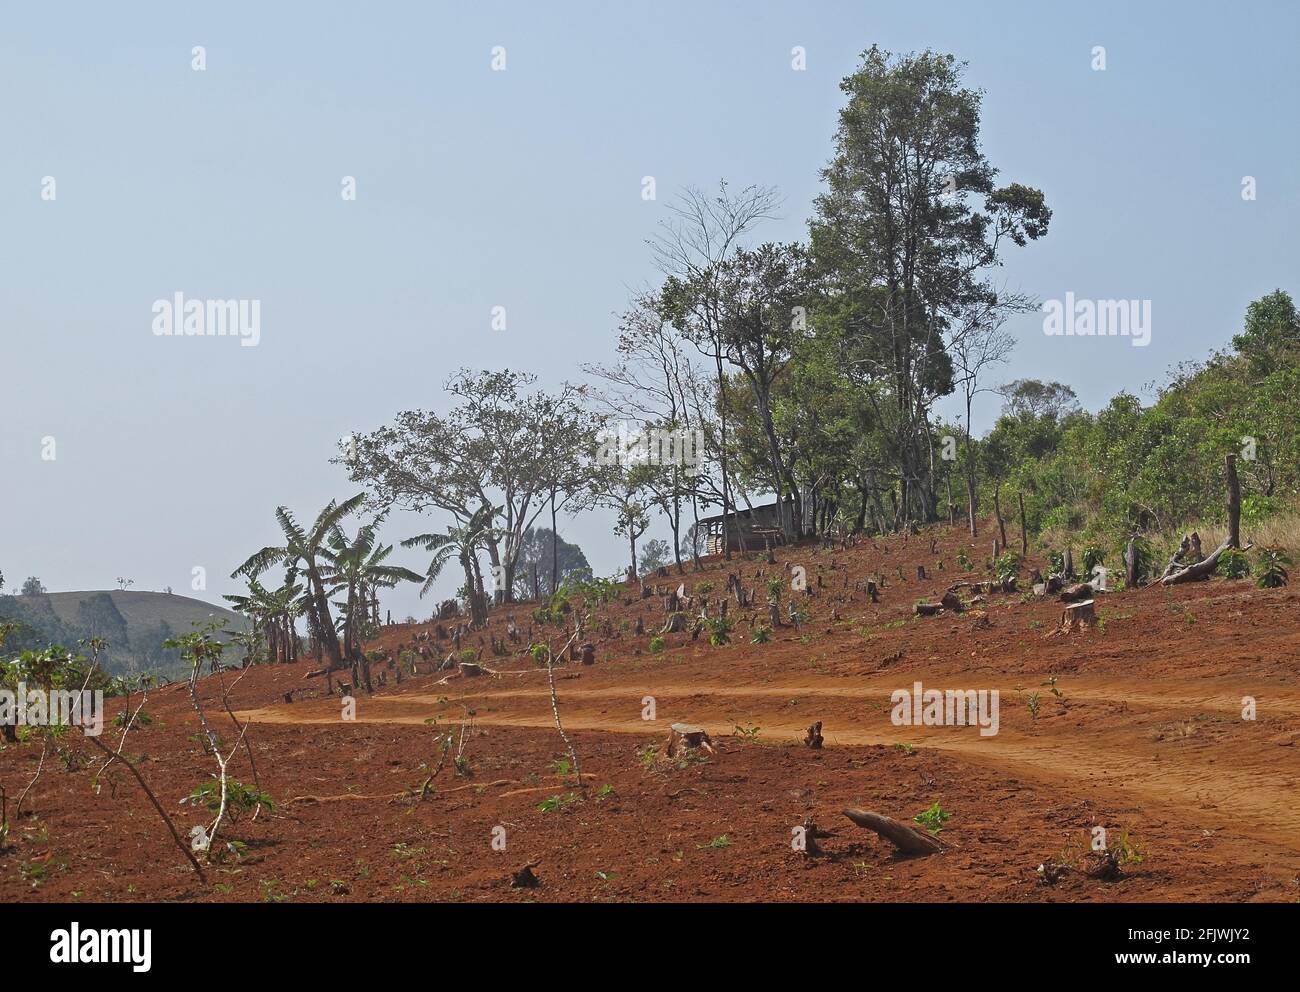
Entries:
{"x":1201,"y":569}
{"x":1190,"y":544}
{"x":906,"y":838}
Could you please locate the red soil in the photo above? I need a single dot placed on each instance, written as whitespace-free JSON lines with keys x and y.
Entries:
{"x":1147,"y":737}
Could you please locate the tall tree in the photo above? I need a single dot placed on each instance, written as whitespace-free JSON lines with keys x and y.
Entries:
{"x":702,"y":233}
{"x":906,"y":233}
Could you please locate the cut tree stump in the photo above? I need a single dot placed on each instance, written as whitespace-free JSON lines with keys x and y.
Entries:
{"x":811,"y":835}
{"x":588,"y":653}
{"x":687,"y":737}
{"x":1080,"y":615}
{"x":675,"y":625}
{"x":470,"y":670}
{"x":813,"y":738}
{"x":908,"y":839}
{"x":951,"y":601}
{"x":524,"y":877}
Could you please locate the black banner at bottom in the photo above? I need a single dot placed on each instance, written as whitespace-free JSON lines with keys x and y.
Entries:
{"x":146,"y":942}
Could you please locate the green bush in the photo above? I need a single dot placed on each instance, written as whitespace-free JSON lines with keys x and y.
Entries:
{"x":1233,"y":564}
{"x":1272,"y":572}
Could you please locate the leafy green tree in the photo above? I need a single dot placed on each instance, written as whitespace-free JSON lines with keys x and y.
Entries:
{"x":1271,"y":335}
{"x":542,"y":550}
{"x":905,"y":234}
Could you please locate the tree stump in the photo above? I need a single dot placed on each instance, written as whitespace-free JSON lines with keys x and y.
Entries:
{"x":1080,"y":615}
{"x":470,"y":670}
{"x":813,"y":738}
{"x":684,"y":737}
{"x":524,"y":877}
{"x":811,"y":835}
{"x":675,"y":625}
{"x":588,"y":653}
{"x":920,"y":573}
{"x":1131,"y":563}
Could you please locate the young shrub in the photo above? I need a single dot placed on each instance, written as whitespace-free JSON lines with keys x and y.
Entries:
{"x":1007,"y":567}
{"x":1272,"y":573}
{"x":657,"y":644}
{"x":719,"y":631}
{"x":1233,"y":564}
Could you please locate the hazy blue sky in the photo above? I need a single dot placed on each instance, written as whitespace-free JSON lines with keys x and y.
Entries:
{"x":522,"y":189}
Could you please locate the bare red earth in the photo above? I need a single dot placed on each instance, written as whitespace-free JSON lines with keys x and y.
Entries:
{"x":1147,"y":736}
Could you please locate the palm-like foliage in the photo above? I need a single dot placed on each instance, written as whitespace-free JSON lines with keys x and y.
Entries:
{"x":461,"y":543}
{"x":303,"y":551}
{"x":357,"y":568}
{"x":273,"y":612}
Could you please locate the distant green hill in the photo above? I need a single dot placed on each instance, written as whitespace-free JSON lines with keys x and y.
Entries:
{"x":134,"y":623}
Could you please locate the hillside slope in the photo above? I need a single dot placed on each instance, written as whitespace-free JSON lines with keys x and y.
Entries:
{"x":135,"y":623}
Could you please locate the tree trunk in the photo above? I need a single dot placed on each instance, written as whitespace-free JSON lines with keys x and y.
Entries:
{"x":329,"y":638}
{"x":1024,"y":530}
{"x":555,"y":549}
{"x":997,"y":512}
{"x":1234,"y":503}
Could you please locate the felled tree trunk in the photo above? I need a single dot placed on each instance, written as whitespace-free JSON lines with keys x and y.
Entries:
{"x":1200,"y":570}
{"x":908,"y":839}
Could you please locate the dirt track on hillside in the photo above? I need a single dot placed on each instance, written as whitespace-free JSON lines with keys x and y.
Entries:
{"x":1145,"y":736}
